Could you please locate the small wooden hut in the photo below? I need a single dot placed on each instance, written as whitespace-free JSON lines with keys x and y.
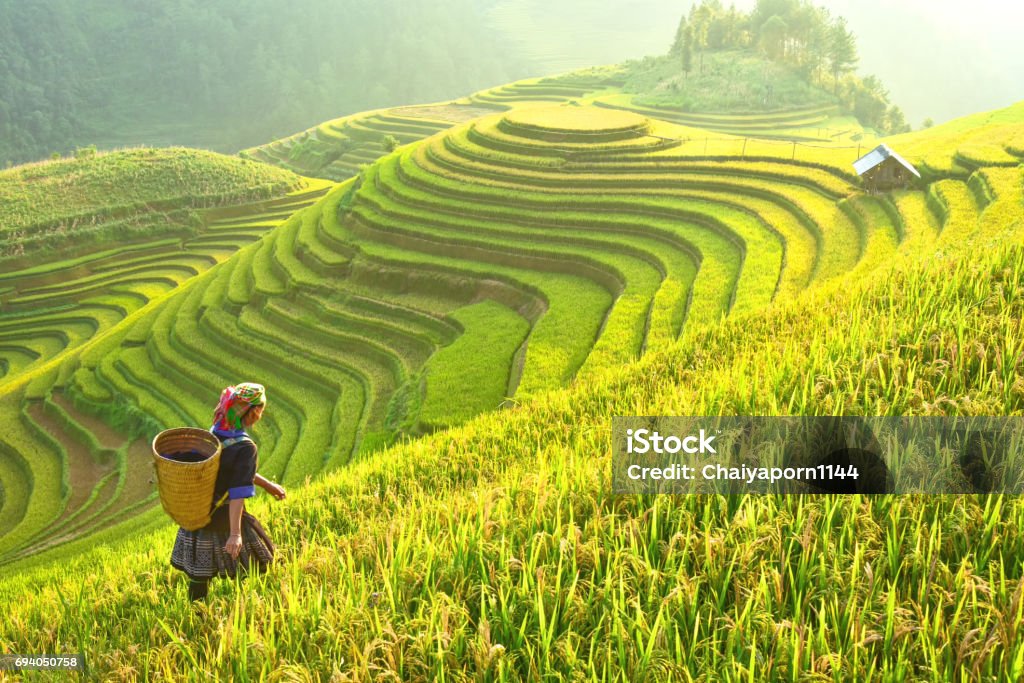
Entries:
{"x":882,"y":170}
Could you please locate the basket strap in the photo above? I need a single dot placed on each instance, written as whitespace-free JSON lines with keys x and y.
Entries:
{"x":220,"y":502}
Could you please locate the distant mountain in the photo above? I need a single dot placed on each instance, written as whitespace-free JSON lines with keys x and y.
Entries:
{"x":226,"y":75}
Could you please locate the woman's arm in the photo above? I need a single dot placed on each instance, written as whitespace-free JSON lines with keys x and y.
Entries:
{"x":274,"y":489}
{"x":234,"y":544}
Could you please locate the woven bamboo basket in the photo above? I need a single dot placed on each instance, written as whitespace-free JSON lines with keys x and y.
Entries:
{"x":186,"y":488}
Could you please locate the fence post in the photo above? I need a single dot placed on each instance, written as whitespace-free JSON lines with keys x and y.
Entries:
{"x":744,"y":152}
{"x":794,"y":150}
{"x":705,"y":146}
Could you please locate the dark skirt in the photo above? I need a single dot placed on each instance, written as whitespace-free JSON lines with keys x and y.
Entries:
{"x":201,"y":555}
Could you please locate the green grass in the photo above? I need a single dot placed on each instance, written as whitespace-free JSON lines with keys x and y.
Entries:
{"x":41,"y":461}
{"x":53,"y":267}
{"x":335,"y":149}
{"x":974,"y":139}
{"x":16,"y":475}
{"x":476,"y":367}
{"x":562,"y":337}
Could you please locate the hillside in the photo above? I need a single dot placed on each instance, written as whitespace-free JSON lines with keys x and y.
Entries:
{"x":552,"y":241}
{"x":377,"y":295}
{"x":337,"y":149}
{"x":961,"y":146}
{"x":226,"y":76}
{"x":95,"y":200}
{"x":783,"y":71}
{"x":494,"y":551}
{"x":446,"y":322}
{"x":732,"y":80}
{"x":88,"y":241}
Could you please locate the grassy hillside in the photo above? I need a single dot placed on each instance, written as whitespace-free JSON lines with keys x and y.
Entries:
{"x":338,"y":149}
{"x":957,"y":148}
{"x":120,"y":196}
{"x":731,"y":81}
{"x":495,"y":552}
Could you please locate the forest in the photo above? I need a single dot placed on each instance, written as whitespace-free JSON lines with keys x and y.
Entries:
{"x":819,"y":48}
{"x":226,"y":75}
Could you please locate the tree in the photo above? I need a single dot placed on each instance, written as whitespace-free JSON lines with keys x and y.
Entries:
{"x":810,"y":32}
{"x":870,"y":103}
{"x":766,"y":9}
{"x":677,"y":43}
{"x":390,"y":143}
{"x":895,"y":122}
{"x":687,"y":50}
{"x":700,"y":19}
{"x":773,"y":37}
{"x":732,"y":24}
{"x":928,"y":123}
{"x":842,"y":50}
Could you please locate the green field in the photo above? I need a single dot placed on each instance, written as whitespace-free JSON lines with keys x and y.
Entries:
{"x":445,"y":329}
{"x":130,"y":226}
{"x":58,"y":206}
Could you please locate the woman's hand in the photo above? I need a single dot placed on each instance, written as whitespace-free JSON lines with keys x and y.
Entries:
{"x":233,"y":546}
{"x":275,"y":489}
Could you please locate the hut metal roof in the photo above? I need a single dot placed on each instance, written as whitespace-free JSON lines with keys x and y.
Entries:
{"x":877,"y":156}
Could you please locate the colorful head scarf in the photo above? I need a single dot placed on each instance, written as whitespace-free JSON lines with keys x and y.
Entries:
{"x":234,"y":401}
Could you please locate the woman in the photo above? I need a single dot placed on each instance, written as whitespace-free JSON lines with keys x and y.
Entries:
{"x":233,"y":541}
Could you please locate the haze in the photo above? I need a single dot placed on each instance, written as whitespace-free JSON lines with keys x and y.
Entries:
{"x":938,"y":58}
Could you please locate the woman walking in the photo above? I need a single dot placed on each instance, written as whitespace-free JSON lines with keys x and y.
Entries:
{"x":233,"y":541}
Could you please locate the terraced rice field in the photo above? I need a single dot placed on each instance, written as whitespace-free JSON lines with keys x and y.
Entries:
{"x":337,"y":149}
{"x":958,"y":148}
{"x":340,"y":148}
{"x":444,"y":334}
{"x":47,"y":310}
{"x":76,"y":450}
{"x":509,"y":255}
{"x":812,"y":123}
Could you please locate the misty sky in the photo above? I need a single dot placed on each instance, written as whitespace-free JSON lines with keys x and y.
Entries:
{"x":938,"y":58}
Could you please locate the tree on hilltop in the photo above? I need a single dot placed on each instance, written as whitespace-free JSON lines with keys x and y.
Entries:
{"x":797,"y":35}
{"x":842,"y":51}
{"x":687,"y":50}
{"x":810,"y":29}
{"x":677,"y":42}
{"x":773,"y":37}
{"x":700,"y":20}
